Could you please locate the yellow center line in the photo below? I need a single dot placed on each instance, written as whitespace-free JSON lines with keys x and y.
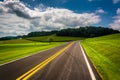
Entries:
{"x":35,"y":69}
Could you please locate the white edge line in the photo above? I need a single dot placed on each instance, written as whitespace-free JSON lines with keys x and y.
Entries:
{"x":88,"y":65}
{"x":29,"y":55}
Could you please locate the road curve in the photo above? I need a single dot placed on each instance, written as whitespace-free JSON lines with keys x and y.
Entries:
{"x":65,"y":62}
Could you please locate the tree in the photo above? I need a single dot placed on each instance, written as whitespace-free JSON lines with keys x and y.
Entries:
{"x":50,"y":40}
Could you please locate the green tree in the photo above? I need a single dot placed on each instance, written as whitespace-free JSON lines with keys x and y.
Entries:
{"x":50,"y":40}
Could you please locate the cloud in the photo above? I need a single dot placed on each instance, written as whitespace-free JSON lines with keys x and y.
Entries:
{"x":100,"y":11}
{"x":90,"y":0}
{"x":18,"y":8}
{"x":118,"y":11}
{"x":11,"y":24}
{"x":18,"y":19}
{"x":33,"y":0}
{"x":116,"y":23}
{"x":116,"y":1}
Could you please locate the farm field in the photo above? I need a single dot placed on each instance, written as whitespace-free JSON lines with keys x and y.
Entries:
{"x":54,"y":38}
{"x":104,"y":52}
{"x":18,"y":48}
{"x":15,"y":49}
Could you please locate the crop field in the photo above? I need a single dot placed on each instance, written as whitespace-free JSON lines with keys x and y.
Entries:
{"x":14,"y":49}
{"x":54,"y":38}
{"x":105,"y":55}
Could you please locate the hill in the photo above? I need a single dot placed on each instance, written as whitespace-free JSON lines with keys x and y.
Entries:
{"x":54,"y":38}
{"x":15,"y":41}
{"x":88,"y":31}
{"x":41,"y":39}
{"x":105,"y":54}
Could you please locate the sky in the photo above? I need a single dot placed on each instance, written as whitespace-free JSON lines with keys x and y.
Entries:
{"x":20,"y":17}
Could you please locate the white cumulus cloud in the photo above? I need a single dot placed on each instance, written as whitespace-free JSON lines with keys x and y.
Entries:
{"x":116,"y":23}
{"x":118,"y":11}
{"x":100,"y":11}
{"x":18,"y":19}
{"x":116,"y":1}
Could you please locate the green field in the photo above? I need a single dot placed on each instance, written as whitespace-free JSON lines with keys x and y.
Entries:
{"x":18,"y":48}
{"x":16,"y":41}
{"x":15,"y":49}
{"x":104,"y":52}
{"x":54,"y":37}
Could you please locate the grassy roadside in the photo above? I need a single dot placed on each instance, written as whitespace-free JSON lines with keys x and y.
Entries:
{"x":9,"y":52}
{"x":104,"y":52}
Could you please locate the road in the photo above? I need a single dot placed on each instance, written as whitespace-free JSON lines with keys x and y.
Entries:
{"x":65,"y":62}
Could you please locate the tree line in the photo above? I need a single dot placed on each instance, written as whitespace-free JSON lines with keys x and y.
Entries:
{"x":89,"y":31}
{"x":41,"y":33}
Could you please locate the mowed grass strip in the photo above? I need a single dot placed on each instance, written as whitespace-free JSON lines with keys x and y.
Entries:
{"x":104,"y":52}
{"x":10,"y":52}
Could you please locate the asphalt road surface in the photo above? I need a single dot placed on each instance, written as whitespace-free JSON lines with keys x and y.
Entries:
{"x":65,"y":62}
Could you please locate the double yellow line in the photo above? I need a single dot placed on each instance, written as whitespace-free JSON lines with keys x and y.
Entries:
{"x":31,"y":72}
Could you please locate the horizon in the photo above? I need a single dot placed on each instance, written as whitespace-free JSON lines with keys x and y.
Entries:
{"x":20,"y":17}
{"x":90,"y":30}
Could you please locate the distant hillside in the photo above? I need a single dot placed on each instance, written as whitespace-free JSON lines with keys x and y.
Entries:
{"x":54,"y":38}
{"x":15,"y":41}
{"x":86,"y":32}
{"x":90,"y":31}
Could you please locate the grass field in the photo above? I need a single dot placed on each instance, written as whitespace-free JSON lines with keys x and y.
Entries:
{"x":105,"y":55}
{"x":16,"y":41}
{"x":18,"y":48}
{"x":54,"y":37}
{"x":22,"y":48}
